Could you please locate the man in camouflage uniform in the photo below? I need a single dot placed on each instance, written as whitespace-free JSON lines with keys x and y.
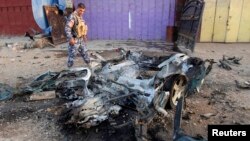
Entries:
{"x":76,"y":32}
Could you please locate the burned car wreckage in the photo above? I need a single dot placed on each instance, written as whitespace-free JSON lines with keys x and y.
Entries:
{"x":138,"y":84}
{"x":132,"y":84}
{"x":139,"y":81}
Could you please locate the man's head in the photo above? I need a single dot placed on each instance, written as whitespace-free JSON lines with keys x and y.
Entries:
{"x":80,"y":9}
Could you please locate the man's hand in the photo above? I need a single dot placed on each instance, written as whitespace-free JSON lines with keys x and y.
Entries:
{"x":72,"y":41}
{"x":85,"y":39}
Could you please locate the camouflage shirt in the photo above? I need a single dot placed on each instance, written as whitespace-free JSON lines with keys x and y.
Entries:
{"x":72,"y":32}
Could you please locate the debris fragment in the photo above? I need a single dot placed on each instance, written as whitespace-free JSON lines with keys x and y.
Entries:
{"x":27,"y":34}
{"x":72,"y":83}
{"x":197,"y":73}
{"x":243,"y":85}
{"x":43,"y":95}
{"x":94,"y":65}
{"x":226,"y":62}
{"x":6,"y":92}
{"x":207,"y":115}
{"x":210,"y":66}
{"x":51,"y":44}
{"x":9,"y":45}
{"x":98,"y":56}
{"x":44,"y":82}
{"x":38,"y":43}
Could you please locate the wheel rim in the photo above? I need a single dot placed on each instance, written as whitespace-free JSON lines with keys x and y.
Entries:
{"x":177,"y":90}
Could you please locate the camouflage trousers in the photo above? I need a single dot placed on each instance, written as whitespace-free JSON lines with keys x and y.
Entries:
{"x":79,"y":46}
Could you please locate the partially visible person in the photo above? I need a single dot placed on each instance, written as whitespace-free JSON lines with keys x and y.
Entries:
{"x":76,"y":32}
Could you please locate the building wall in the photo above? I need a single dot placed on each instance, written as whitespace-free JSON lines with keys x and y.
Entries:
{"x":226,"y":21}
{"x":16,"y":17}
{"x":107,"y":19}
{"x":128,"y":19}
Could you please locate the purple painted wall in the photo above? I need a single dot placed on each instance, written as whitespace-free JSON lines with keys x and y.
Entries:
{"x":128,"y":19}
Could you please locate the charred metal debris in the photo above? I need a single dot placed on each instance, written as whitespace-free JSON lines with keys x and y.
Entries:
{"x":6,"y":92}
{"x":226,"y":62}
{"x":133,"y":83}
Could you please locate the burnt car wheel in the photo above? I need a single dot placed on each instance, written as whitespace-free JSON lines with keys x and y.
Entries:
{"x":176,"y":85}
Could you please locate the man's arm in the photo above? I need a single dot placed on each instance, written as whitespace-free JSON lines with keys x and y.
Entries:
{"x":85,"y":39}
{"x":68,"y":30}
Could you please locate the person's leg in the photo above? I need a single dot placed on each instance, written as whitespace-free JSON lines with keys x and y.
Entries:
{"x":83,"y":51}
{"x":71,"y":55}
